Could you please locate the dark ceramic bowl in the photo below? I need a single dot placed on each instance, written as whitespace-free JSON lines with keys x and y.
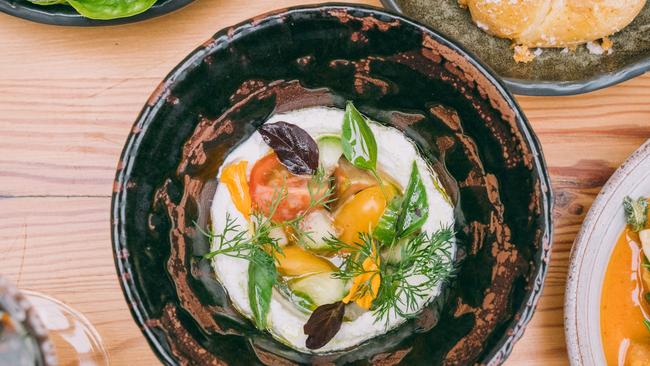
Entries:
{"x":67,"y":15}
{"x":399,"y":73}
{"x":551,"y":73}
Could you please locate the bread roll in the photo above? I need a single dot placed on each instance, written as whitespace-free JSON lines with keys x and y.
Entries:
{"x":553,"y":23}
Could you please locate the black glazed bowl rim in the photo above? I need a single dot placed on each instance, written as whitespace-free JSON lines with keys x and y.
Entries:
{"x":562,"y":88}
{"x":514,"y":329}
{"x":69,"y":17}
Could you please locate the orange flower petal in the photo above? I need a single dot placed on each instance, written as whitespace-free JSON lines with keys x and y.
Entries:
{"x":365,"y":286}
{"x":234,"y":177}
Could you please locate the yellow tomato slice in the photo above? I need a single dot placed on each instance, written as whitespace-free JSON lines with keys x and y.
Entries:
{"x":361,"y":213}
{"x":234,"y":177}
{"x":295,"y":261}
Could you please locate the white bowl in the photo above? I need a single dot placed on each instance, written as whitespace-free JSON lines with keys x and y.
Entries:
{"x":590,"y":256}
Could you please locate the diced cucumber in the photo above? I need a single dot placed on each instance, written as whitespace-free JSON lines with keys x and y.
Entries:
{"x":300,"y":302}
{"x":329,"y":152}
{"x":279,"y":235}
{"x":319,"y":288}
{"x":318,"y":225}
{"x":353,"y":311}
{"x":393,"y":254}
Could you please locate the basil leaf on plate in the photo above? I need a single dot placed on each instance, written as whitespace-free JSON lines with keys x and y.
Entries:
{"x":415,"y":207}
{"x":323,"y":324}
{"x":110,"y":9}
{"x":386,"y":229}
{"x":47,"y":2}
{"x":262,"y":276}
{"x":295,"y":148}
{"x":357,"y":140}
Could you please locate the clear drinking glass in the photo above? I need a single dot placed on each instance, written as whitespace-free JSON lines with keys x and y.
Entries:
{"x":36,"y":329}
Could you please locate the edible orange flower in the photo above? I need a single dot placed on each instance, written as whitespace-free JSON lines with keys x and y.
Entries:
{"x":365,"y":286}
{"x":234,"y":177}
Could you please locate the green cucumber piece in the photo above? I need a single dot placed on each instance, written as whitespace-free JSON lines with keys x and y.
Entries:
{"x":329,"y":152}
{"x":393,"y":254}
{"x":319,"y":225}
{"x":299,"y":300}
{"x":319,"y":288}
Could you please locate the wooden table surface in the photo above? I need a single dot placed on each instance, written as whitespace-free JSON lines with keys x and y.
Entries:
{"x":68,"y":98}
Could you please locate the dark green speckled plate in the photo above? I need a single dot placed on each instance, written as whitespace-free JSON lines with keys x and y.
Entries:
{"x":551,"y":73}
{"x":68,"y":16}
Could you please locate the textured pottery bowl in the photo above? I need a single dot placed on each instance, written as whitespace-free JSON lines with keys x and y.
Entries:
{"x":553,"y":72}
{"x":399,"y":73}
{"x":590,"y":256}
{"x":66,"y":15}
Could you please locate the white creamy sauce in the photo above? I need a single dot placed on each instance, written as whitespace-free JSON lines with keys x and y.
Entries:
{"x":395,"y":157}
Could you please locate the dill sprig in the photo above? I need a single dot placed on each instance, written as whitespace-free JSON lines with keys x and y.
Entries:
{"x":234,"y":239}
{"x":425,"y":262}
{"x":238,"y":242}
{"x":352,"y":265}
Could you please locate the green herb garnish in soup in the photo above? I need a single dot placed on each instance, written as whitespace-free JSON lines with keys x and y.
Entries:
{"x":625,"y":299}
{"x":329,"y":229}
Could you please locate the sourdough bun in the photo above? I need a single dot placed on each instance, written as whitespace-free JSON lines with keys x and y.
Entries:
{"x":553,"y":23}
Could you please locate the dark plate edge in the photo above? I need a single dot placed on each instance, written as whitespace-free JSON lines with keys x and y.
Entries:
{"x":77,"y":20}
{"x":560,"y":88}
{"x":503,"y":347}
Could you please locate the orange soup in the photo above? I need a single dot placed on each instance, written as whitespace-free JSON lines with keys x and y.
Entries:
{"x":626,"y":339}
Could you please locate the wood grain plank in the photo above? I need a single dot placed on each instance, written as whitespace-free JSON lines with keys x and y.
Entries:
{"x":69,"y":143}
{"x":61,"y":247}
{"x":66,"y":144}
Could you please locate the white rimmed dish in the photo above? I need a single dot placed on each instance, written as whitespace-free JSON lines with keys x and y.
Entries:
{"x":590,"y":256}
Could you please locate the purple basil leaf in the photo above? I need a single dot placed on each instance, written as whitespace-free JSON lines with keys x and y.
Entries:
{"x":323,"y":324}
{"x":294,"y":147}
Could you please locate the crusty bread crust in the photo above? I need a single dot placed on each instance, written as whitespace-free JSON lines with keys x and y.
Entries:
{"x":553,"y":23}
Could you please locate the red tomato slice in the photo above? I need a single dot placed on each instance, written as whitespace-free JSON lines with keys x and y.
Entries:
{"x":266,"y":180}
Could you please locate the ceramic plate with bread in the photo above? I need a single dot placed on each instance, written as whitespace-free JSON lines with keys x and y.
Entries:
{"x":546,"y":47}
{"x":554,"y":23}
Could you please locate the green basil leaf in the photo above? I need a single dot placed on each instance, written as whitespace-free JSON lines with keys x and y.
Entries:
{"x":646,"y":323}
{"x":262,"y":275}
{"x":415,"y":207}
{"x":357,"y":140}
{"x":386,"y":229}
{"x":110,"y":9}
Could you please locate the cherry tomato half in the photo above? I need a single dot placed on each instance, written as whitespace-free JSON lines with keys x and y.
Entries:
{"x":266,"y":181}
